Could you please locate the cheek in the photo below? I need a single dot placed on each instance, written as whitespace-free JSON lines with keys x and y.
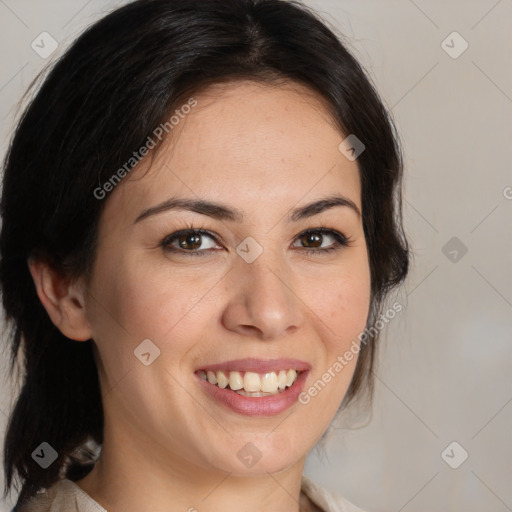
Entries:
{"x":342,"y":310}
{"x":343,"y":304}
{"x":140,"y":299}
{"x":138,"y":302}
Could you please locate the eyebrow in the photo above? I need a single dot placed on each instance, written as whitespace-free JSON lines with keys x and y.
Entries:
{"x":223,"y":212}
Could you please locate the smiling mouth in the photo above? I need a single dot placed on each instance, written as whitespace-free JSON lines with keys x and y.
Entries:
{"x":251,"y":384}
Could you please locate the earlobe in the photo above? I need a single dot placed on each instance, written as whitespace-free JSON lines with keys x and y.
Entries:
{"x":64,"y":301}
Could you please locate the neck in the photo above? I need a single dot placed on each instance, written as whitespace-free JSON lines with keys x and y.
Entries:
{"x":131,"y":476}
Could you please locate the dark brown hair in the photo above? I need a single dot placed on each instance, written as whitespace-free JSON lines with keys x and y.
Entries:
{"x":98,"y":103}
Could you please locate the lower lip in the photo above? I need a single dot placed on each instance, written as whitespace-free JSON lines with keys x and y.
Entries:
{"x":256,"y":406}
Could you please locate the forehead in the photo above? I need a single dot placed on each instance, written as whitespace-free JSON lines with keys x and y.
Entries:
{"x":250,"y":145}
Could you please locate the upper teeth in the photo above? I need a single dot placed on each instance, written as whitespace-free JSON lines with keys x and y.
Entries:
{"x":268,"y":382}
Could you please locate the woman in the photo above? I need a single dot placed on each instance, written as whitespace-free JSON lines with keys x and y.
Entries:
{"x":201,"y":216}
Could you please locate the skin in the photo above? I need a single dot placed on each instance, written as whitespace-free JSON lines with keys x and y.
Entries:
{"x":167,"y":446}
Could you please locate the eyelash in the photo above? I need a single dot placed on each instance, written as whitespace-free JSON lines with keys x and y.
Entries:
{"x":340,"y":240}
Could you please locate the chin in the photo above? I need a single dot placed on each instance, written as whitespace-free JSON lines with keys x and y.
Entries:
{"x":257,"y":455}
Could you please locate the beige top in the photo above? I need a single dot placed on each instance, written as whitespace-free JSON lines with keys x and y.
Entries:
{"x":67,"y":496}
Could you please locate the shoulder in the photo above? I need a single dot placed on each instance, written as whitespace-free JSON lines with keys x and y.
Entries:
{"x":63,"y":496}
{"x":66,"y":496}
{"x":326,"y":500}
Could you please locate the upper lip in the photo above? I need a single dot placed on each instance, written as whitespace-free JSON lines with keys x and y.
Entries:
{"x":258,"y":365}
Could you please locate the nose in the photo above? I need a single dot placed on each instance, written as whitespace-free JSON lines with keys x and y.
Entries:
{"x":263,"y":303}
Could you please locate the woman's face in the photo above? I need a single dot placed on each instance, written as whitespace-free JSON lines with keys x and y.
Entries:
{"x":252,"y":293}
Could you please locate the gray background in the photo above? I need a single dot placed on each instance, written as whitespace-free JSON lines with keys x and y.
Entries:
{"x":445,"y":363}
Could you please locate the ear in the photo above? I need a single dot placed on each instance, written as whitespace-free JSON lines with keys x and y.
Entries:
{"x":64,"y":301}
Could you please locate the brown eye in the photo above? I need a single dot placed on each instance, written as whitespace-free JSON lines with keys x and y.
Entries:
{"x":312,"y":240}
{"x":189,"y":242}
